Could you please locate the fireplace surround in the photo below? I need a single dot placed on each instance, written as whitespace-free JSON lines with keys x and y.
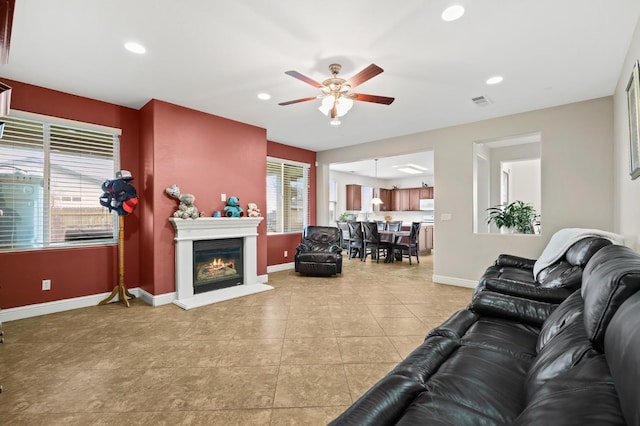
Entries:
{"x":190,"y":231}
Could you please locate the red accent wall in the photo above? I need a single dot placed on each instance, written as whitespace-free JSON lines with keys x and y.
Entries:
{"x":280,"y":243}
{"x":161,"y":144}
{"x":206,"y":156}
{"x":79,"y":271}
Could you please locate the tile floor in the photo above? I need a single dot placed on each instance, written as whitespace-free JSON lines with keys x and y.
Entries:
{"x":296,"y":355}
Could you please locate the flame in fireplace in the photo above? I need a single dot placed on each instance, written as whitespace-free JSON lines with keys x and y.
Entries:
{"x":215,"y":268}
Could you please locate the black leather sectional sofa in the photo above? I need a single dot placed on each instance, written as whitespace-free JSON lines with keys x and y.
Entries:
{"x":525,"y":352}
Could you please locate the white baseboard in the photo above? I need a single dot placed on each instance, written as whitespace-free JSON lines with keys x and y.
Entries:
{"x":263,"y":279}
{"x":21,"y":312}
{"x":460,"y":282}
{"x":281,"y":267}
{"x":161,"y":299}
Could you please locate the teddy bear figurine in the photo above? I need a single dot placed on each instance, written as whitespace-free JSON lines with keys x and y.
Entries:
{"x":253,"y":210}
{"x":233,"y":209}
{"x":186,"y":208}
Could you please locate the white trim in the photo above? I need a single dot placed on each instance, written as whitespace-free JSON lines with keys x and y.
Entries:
{"x":21,"y":312}
{"x":64,"y":122}
{"x":280,"y":267}
{"x":263,"y":279}
{"x":289,"y":162}
{"x":161,"y":299}
{"x":459,"y":282}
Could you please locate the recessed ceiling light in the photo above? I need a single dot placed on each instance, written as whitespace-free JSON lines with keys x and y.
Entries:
{"x":134,"y":47}
{"x":264,"y":96}
{"x":409,"y":170}
{"x":452,"y":13}
{"x":495,"y":79}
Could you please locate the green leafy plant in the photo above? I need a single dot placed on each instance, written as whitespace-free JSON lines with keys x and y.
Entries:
{"x":517,"y":215}
{"x":344,"y":217}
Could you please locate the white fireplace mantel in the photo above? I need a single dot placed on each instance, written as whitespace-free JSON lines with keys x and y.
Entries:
{"x":211,"y":228}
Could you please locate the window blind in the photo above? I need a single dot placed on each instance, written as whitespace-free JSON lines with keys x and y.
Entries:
{"x":50,"y":184}
{"x":287,"y":196}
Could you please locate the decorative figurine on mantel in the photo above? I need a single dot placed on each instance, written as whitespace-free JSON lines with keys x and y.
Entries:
{"x":233,"y":209}
{"x":186,"y":208}
{"x":253,"y":210}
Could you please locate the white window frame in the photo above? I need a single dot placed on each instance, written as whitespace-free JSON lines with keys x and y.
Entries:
{"x":280,"y":200}
{"x":42,"y":218}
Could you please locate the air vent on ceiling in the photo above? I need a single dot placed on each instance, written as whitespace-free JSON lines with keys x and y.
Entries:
{"x":481,"y":100}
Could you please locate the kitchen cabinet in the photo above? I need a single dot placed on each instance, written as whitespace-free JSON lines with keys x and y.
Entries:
{"x":354,"y":197}
{"x":386,"y":197}
{"x":426,"y":193}
{"x":426,"y":238}
{"x":414,"y":199}
{"x":400,"y":199}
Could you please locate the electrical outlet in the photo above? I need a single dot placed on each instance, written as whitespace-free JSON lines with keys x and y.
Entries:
{"x":223,"y":197}
{"x":445,"y":216}
{"x":46,"y":284}
{"x":286,"y":253}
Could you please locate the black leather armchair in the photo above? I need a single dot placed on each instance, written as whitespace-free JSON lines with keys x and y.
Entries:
{"x":319,"y":253}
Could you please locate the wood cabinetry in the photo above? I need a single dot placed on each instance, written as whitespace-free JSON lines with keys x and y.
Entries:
{"x":407,"y":199}
{"x":426,"y":238}
{"x":354,"y":197}
{"x":426,"y":192}
{"x":386,"y":197}
{"x":414,"y":199}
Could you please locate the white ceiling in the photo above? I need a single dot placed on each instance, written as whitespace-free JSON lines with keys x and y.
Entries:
{"x":388,"y":167}
{"x":216,"y":56}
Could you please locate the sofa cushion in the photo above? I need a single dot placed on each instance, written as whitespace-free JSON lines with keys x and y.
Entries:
{"x":568,"y":312}
{"x":435,"y":410}
{"x":622,"y":348}
{"x":583,"y":395}
{"x":482,"y":380}
{"x":566,"y":350}
{"x":611,"y":277}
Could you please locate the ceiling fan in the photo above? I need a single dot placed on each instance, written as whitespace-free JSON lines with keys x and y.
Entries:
{"x":335,"y":93}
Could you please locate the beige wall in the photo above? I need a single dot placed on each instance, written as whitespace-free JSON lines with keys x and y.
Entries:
{"x":577,"y":177}
{"x":626,"y":191}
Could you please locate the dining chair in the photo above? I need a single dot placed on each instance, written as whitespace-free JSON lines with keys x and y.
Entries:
{"x":373,"y":245}
{"x":411,"y":247}
{"x":395,"y":225}
{"x":356,"y":240}
{"x":344,"y":234}
{"x":381,"y":224}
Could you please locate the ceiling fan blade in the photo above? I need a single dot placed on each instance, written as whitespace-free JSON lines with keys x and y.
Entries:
{"x":372,"y":98}
{"x":295,"y":101}
{"x":296,"y":74}
{"x":364,"y":75}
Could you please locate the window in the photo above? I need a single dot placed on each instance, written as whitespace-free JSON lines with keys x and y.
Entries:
{"x":51,"y":177}
{"x":287,"y":195}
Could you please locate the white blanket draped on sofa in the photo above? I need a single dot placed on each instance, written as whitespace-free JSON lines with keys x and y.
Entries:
{"x":565,"y":238}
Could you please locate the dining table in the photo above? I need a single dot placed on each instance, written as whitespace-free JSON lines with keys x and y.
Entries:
{"x":392,"y":237}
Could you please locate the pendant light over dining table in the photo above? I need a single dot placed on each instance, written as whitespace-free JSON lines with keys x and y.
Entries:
{"x":376,"y":201}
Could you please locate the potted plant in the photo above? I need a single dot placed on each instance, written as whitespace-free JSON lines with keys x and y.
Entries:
{"x":517,"y":215}
{"x":344,"y":217}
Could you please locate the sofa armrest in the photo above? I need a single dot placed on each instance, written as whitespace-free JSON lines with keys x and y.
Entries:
{"x":515,"y":261}
{"x":526,"y":290}
{"x":532,"y":312}
{"x":383,"y":404}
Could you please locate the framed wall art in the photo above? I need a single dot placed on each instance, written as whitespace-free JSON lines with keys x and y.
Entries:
{"x":633,"y":90}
